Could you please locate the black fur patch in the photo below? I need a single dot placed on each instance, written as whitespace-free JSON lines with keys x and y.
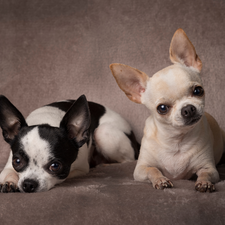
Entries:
{"x":96,"y":110}
{"x":64,"y":106}
{"x":61,"y":147}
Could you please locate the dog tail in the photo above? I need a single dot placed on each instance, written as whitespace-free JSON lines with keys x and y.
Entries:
{"x":223,"y":134}
{"x":138,"y":151}
{"x":222,"y":160}
{"x":136,"y":146}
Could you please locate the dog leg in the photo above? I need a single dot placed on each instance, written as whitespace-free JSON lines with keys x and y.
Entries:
{"x":9,"y":178}
{"x":206,"y":178}
{"x":152,"y":174}
{"x":10,"y":182}
{"x":113,"y":143}
{"x":158,"y":180}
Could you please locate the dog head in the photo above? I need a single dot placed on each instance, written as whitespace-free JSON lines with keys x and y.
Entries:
{"x":42,"y":154}
{"x":174,"y":95}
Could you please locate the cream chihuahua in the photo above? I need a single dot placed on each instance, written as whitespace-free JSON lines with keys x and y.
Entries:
{"x":180,"y":139}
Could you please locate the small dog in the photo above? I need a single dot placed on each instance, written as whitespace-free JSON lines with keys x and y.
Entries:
{"x":179,"y":140}
{"x":62,"y":141}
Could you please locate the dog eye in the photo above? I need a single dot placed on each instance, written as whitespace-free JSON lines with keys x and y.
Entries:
{"x":163,"y":109}
{"x":16,"y":161}
{"x":55,"y":167}
{"x":198,"y":91}
{"x":17,"y":164}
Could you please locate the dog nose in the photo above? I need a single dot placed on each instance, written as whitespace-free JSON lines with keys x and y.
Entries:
{"x":188,"y":111}
{"x":30,"y":185}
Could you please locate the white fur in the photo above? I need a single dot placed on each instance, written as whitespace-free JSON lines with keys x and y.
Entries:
{"x":46,"y":114}
{"x":110,"y":137}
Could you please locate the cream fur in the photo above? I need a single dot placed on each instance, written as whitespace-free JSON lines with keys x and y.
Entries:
{"x":170,"y":149}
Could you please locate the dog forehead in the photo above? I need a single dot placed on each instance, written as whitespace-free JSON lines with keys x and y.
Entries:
{"x":172,"y":82}
{"x":36,"y":147}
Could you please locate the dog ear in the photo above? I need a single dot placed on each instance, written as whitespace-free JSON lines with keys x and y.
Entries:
{"x":182,"y":51}
{"x":130,"y":80}
{"x":77,"y":121}
{"x":11,"y":119}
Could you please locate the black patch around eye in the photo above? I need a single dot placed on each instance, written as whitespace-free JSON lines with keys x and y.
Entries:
{"x":61,"y":147}
{"x":57,"y":169}
{"x":20,"y":161}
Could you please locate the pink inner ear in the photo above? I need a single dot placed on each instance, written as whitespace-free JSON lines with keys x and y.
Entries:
{"x":182,"y":51}
{"x":14,"y":129}
{"x":142,"y":90}
{"x":130,"y":80}
{"x":134,"y":92}
{"x":137,"y":87}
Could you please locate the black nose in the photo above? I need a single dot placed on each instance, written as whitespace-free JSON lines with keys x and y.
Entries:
{"x":188,"y":111}
{"x":30,"y":185}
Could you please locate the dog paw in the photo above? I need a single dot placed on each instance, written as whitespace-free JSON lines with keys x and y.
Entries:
{"x":162,"y":183}
{"x":8,"y":187}
{"x":204,"y":186}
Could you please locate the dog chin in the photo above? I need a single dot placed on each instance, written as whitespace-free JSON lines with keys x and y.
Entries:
{"x":186,"y":124}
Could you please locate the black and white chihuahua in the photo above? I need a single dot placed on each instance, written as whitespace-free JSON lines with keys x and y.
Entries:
{"x":59,"y":141}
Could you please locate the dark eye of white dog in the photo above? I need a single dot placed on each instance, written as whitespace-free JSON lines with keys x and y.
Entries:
{"x":163,"y":109}
{"x":55,"y":167}
{"x":198,"y":91}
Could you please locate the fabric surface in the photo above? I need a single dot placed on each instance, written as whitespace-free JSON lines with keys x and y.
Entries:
{"x":60,"y":49}
{"x":109,"y":195}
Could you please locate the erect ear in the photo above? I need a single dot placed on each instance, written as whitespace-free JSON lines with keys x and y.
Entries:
{"x":130,"y":80}
{"x":182,"y":51}
{"x":11,"y":119}
{"x":77,"y":121}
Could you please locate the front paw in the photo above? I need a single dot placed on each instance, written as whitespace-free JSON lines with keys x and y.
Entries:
{"x":162,"y":183}
{"x":204,"y":186}
{"x":8,"y":187}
